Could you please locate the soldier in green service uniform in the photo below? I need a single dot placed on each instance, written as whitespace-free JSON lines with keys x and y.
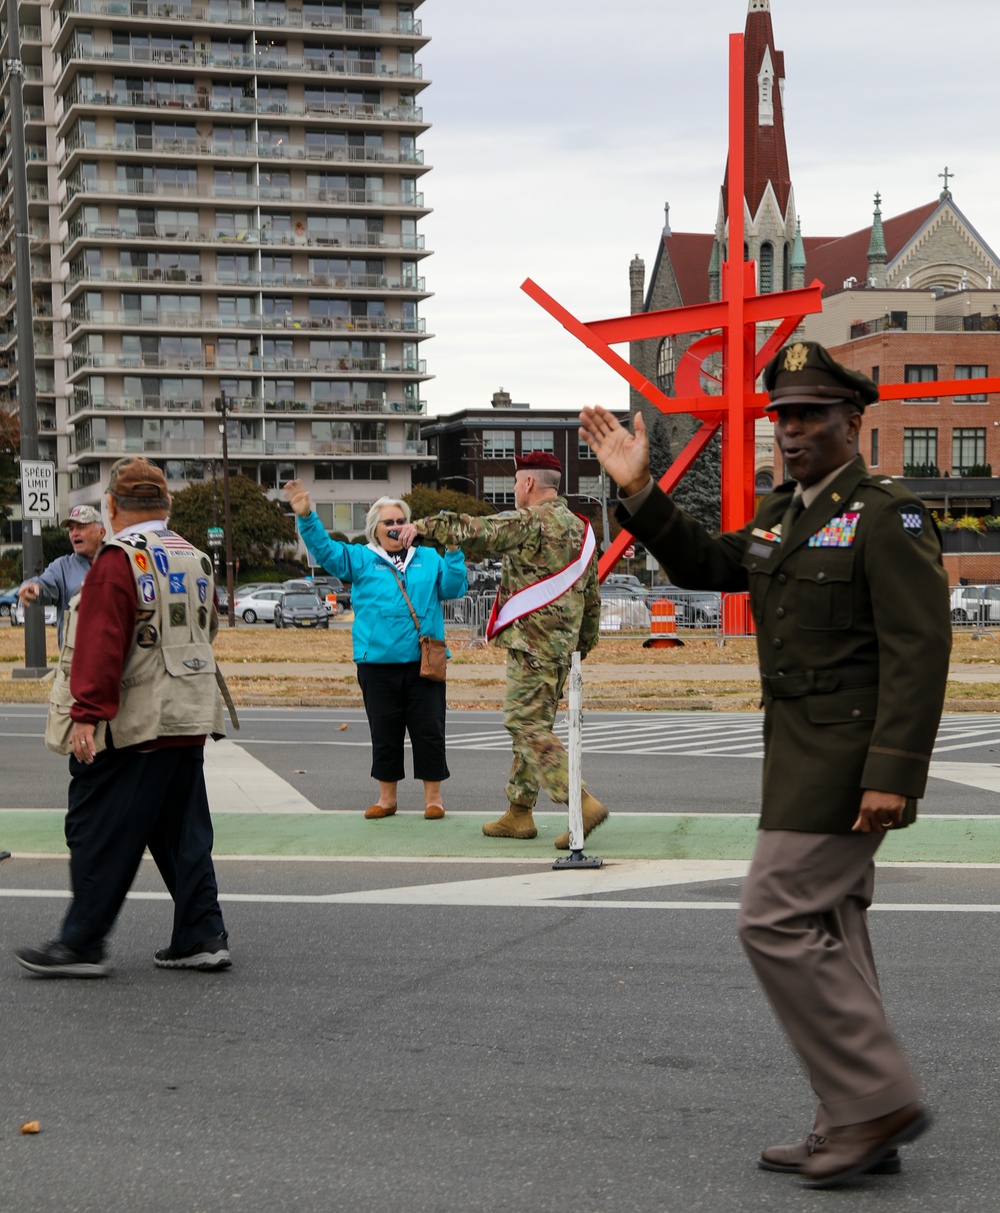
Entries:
{"x":548,"y":606}
{"x":850,"y":601}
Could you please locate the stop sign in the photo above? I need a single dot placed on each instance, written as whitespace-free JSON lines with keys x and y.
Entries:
{"x":629,"y":553}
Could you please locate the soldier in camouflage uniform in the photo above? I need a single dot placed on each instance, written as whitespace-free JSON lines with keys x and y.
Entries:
{"x":537,"y":540}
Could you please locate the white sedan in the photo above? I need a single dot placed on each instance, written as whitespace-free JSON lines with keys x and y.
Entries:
{"x":17,"y":615}
{"x":258,"y":604}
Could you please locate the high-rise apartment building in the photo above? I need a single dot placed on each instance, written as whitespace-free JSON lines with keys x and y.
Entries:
{"x":224,"y":205}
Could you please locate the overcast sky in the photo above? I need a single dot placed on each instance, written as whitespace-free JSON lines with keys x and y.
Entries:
{"x":561,"y":127}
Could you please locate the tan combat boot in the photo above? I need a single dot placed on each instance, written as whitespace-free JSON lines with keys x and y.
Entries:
{"x":593,"y":814}
{"x":517,"y":822}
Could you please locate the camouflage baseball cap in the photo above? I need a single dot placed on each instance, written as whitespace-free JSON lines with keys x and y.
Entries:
{"x":136,"y":477}
{"x":82,"y":515}
{"x":804,"y":372}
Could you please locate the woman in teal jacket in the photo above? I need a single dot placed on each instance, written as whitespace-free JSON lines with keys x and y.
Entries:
{"x":386,"y":642}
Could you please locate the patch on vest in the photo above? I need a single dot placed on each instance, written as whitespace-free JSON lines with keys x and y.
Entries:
{"x":147,"y":587}
{"x":203,"y":617}
{"x":177,"y":583}
{"x":135,"y":541}
{"x":144,"y":616}
{"x":203,"y":589}
{"x":912,"y":519}
{"x":206,"y":565}
{"x":178,"y":614}
{"x":195,"y":663}
{"x":141,"y":562}
{"x":147,"y":636}
{"x":161,"y":561}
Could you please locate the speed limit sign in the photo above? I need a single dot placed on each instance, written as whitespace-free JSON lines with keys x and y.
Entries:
{"x":38,"y":488}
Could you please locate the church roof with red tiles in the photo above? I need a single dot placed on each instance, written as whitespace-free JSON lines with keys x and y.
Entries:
{"x":834,"y":259}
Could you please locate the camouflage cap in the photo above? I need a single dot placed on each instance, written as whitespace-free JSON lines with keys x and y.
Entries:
{"x":82,"y":515}
{"x":805,"y":373}
{"x":136,"y":477}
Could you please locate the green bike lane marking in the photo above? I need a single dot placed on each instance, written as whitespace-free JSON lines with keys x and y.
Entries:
{"x":934,"y":839}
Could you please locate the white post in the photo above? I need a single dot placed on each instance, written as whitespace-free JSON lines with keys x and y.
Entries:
{"x":575,"y":702}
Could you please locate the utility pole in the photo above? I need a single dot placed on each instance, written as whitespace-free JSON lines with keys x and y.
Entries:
{"x":35,"y":665}
{"x":221,"y":405}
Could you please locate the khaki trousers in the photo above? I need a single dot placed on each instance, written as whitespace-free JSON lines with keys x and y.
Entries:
{"x":803,"y":923}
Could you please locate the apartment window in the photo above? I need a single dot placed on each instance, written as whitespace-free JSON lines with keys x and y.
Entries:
{"x":874,"y":460}
{"x":537,"y":440}
{"x":499,"y":489}
{"x":583,"y":451}
{"x":920,"y":373}
{"x":968,"y":452}
{"x":971,"y":372}
{"x":590,"y":486}
{"x":876,"y":373}
{"x":498,"y":444}
{"x":920,"y":452}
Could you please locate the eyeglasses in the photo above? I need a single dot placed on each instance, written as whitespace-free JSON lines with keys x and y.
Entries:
{"x":392,"y":521}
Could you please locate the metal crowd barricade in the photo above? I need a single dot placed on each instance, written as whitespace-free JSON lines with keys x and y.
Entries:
{"x":465,"y":619}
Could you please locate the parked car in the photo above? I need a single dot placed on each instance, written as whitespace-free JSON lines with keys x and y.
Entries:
{"x":975,"y":604}
{"x":17,"y":615}
{"x":698,"y":610}
{"x":301,"y":610}
{"x":326,"y":584}
{"x":626,"y":579}
{"x":8,"y":599}
{"x":258,"y":604}
{"x":622,"y":611}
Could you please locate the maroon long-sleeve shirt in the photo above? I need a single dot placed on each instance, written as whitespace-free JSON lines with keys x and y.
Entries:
{"x":105,"y":631}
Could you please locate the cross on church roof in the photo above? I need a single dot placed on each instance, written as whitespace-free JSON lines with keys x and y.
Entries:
{"x":946,"y":193}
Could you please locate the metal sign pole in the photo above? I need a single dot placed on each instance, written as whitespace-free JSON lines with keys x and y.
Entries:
{"x":576,"y":858}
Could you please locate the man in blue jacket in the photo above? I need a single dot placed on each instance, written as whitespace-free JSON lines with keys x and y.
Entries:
{"x":64,"y":576}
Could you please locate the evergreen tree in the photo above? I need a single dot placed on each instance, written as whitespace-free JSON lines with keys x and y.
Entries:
{"x":700,"y":490}
{"x":660,"y":454}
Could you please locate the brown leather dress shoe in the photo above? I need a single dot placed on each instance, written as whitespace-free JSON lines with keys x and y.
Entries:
{"x":853,"y":1150}
{"x":379,"y":810}
{"x":791,"y":1159}
{"x":434,"y":812}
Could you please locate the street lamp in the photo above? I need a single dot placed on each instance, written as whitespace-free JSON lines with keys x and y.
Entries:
{"x":469,"y":480}
{"x":222,"y":408}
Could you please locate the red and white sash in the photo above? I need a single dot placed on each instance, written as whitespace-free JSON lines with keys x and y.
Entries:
{"x":542,"y":593}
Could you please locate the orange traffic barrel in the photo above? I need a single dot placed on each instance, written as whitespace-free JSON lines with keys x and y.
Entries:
{"x":663,"y":626}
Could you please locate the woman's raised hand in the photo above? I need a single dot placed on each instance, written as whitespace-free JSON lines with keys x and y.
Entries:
{"x":297,"y":498}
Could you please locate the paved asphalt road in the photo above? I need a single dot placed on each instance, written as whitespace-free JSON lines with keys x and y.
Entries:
{"x":493,"y":1037}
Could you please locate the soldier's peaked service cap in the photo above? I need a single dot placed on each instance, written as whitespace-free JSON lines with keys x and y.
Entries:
{"x":804,"y":372}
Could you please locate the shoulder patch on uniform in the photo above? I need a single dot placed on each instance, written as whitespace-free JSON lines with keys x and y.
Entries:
{"x":912,"y":518}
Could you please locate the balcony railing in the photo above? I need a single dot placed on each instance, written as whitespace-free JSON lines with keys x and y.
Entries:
{"x":231,"y":149}
{"x":252,"y":362}
{"x":905,"y":322}
{"x":212,"y":446}
{"x":237,"y":14}
{"x":262,"y":61}
{"x":164,"y":189}
{"x":246,"y":404}
{"x":150,"y":231}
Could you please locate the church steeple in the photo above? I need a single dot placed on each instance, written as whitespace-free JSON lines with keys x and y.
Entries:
{"x":876,"y":248}
{"x":769,"y":202}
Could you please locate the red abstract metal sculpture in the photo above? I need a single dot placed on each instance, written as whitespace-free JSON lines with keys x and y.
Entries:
{"x":735,"y":317}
